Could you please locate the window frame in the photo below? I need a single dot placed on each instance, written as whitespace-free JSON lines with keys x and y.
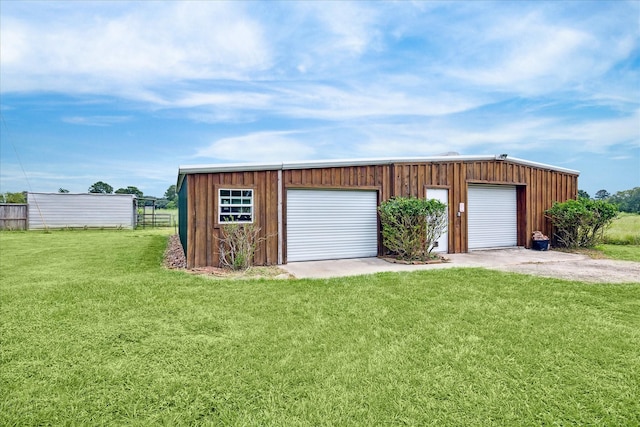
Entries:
{"x":242,"y":197}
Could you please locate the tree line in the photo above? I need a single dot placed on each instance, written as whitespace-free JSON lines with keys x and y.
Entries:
{"x":626,"y":201}
{"x":169,"y":201}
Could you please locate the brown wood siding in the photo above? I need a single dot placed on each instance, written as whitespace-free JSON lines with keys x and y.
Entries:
{"x":536,"y":190}
{"x":203,"y":232}
{"x":355,"y":177}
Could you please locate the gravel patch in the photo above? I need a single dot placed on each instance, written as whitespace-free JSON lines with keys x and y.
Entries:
{"x":588,"y":270}
{"x":174,"y":255}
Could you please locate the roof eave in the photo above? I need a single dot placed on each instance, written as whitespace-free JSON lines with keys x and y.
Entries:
{"x":317,"y":164}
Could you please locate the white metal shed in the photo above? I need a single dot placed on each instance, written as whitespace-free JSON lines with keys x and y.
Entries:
{"x":78,"y":210}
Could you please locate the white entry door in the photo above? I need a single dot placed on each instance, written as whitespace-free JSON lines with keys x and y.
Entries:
{"x":441,"y":194}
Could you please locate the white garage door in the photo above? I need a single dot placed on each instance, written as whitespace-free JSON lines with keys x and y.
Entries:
{"x":327,"y":224}
{"x":492,"y":216}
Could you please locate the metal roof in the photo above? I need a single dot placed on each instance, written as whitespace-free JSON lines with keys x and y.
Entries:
{"x":84,"y":194}
{"x":315,"y":164}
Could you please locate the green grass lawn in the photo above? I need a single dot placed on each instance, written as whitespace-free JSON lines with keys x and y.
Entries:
{"x":621,"y":252}
{"x":622,"y":239}
{"x":624,"y":230}
{"x":94,"y":331}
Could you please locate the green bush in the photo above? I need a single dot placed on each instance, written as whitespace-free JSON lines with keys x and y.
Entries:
{"x":581,"y":223}
{"x":411,"y":226}
{"x":13,"y":198}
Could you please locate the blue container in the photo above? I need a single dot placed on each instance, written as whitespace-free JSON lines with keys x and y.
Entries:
{"x":540,"y":245}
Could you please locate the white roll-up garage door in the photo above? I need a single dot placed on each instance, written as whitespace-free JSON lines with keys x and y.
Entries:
{"x":331,"y":224}
{"x":492,"y":216}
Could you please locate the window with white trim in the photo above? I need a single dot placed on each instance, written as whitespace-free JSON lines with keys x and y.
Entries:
{"x":235,"y":205}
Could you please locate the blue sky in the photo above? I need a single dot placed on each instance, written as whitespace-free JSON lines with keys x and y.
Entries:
{"x":126,"y":92}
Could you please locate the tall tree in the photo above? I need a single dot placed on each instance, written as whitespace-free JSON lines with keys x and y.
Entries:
{"x":130,"y":190}
{"x":171,"y":193}
{"x":101,"y":187}
{"x":627,"y":200}
{"x":602,"y":194}
{"x":583,"y":194}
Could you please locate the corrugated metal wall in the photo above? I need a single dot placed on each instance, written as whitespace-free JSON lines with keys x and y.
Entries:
{"x":62,"y":210}
{"x":536,"y":190}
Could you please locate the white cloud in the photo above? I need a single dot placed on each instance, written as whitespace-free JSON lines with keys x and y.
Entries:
{"x":351,"y":25}
{"x":525,"y":56}
{"x":524,"y":135}
{"x":351,"y":79}
{"x":532,"y":51}
{"x":96,"y":120}
{"x":258,"y":147}
{"x":333,"y":103}
{"x":229,"y":100}
{"x":153,"y":43}
{"x":599,"y":134}
{"x":317,"y":39}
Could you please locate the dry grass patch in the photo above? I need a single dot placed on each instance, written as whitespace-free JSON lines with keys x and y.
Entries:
{"x":269,"y":272}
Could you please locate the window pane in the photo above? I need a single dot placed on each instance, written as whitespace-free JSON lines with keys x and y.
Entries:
{"x":235,"y":205}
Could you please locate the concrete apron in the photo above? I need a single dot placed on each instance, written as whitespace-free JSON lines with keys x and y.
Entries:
{"x":500,"y":259}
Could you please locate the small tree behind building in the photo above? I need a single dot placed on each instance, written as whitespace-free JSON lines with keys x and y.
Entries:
{"x":602,"y":195}
{"x":130,"y":190}
{"x":583,"y":194}
{"x":101,"y":187}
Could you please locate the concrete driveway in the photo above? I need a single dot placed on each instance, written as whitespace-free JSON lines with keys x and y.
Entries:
{"x":518,"y":260}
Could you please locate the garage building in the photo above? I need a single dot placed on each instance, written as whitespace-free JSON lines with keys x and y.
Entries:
{"x":317,"y":210}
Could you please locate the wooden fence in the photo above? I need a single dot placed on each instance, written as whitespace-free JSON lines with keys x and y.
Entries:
{"x":13,"y":216}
